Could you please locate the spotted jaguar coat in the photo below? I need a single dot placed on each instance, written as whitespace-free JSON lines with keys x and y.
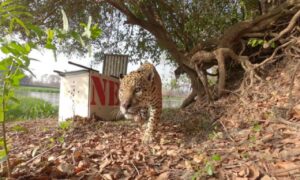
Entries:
{"x":140,"y":97}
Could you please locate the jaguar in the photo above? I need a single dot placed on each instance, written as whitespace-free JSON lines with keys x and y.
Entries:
{"x":140,"y":96}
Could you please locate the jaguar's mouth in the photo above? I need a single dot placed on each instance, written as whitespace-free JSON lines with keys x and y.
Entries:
{"x":129,"y":116}
{"x":130,"y":111}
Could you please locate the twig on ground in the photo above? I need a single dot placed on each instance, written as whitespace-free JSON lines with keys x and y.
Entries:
{"x":237,"y":95}
{"x":286,"y":170}
{"x":294,"y":125}
{"x":30,"y":160}
{"x":266,"y":168}
{"x":214,"y":121}
{"x":232,"y":166}
{"x":136,"y":169}
{"x":226,"y":131}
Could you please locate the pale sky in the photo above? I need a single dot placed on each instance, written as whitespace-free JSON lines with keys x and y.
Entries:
{"x":47,"y":64}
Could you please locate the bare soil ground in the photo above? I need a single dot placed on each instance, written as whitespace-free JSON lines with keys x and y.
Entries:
{"x":249,"y":136}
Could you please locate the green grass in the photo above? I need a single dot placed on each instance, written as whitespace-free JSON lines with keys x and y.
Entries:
{"x":173,"y":98}
{"x":38,"y":89}
{"x":31,"y":108}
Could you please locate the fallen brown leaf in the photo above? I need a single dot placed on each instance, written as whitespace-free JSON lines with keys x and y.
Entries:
{"x":266,"y":177}
{"x":163,"y":176}
{"x":107,"y":177}
{"x":66,"y":168}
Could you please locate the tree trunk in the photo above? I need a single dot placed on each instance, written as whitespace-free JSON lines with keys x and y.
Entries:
{"x":228,"y":45}
{"x":159,"y":32}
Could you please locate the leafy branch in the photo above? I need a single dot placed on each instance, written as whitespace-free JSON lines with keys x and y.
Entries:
{"x":16,"y":61}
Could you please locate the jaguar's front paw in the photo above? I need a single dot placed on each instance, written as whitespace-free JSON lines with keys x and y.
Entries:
{"x":139,"y":120}
{"x":147,"y":139}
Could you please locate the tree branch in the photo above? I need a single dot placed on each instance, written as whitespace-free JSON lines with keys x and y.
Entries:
{"x":291,"y":25}
{"x":273,"y":54}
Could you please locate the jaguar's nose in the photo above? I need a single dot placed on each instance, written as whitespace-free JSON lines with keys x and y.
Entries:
{"x":126,"y":105}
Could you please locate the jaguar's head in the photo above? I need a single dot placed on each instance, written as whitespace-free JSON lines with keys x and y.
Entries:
{"x":134,"y":91}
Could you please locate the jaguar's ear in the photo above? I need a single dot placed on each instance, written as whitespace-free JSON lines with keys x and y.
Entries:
{"x":121,"y":76}
{"x":150,"y":75}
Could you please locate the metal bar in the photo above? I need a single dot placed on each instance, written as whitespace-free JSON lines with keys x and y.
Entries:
{"x":79,"y":65}
{"x":59,"y":73}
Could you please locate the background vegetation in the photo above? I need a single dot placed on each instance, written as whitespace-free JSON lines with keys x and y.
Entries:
{"x":193,"y":35}
{"x":16,"y":23}
{"x":38,"y":89}
{"x":30,"y":109}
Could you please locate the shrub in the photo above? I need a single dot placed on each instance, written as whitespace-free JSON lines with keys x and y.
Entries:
{"x":31,"y":108}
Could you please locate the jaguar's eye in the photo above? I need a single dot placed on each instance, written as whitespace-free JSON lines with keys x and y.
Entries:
{"x":137,"y":90}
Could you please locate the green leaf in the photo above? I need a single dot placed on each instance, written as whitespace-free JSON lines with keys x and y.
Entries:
{"x":61,"y":139}
{"x":82,"y":24}
{"x":50,"y":36}
{"x":252,"y":139}
{"x":18,"y":61}
{"x":17,"y":78}
{"x":27,"y":47}
{"x":273,"y":45}
{"x":5,"y":50}
{"x":75,"y":35}
{"x":254,"y":42}
{"x":1,"y":115}
{"x":28,"y":70}
{"x":19,"y":128}
{"x":11,"y":25}
{"x":26,"y":61}
{"x":21,"y":23}
{"x":65,"y":124}
{"x":256,"y":127}
{"x":87,"y":32}
{"x":61,"y":34}
{"x":209,"y":169}
{"x":50,"y":46}
{"x":65,"y":21}
{"x":96,"y":32}
{"x":37,"y":30}
{"x":3,"y":156}
{"x":18,"y":47}
{"x":12,"y":50}
{"x":78,"y":38}
{"x":1,"y":142}
{"x":196,"y":175}
{"x":216,"y":157}
{"x":3,"y":66}
{"x":52,"y":140}
{"x":6,"y":3}
{"x":249,"y":42}
{"x":260,"y":42}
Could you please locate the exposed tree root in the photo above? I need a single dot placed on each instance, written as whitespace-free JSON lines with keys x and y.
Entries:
{"x":289,"y":28}
{"x":266,"y":26}
{"x":189,"y":100}
{"x":271,"y":26}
